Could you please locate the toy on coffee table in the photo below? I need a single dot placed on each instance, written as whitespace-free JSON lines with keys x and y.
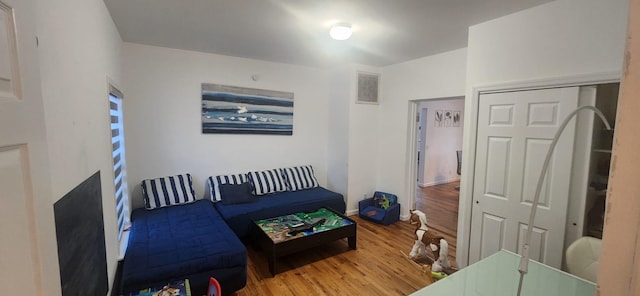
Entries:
{"x":438,"y":267}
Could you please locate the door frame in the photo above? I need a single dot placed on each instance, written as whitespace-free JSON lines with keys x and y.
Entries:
{"x":469,"y":141}
{"x":422,"y":134}
{"x":411,"y":161}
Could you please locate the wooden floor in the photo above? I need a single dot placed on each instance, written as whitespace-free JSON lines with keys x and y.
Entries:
{"x":376,"y":267}
{"x":440,"y":204}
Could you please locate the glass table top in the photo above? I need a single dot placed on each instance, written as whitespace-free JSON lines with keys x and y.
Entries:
{"x":498,"y":275}
{"x":280,"y":228}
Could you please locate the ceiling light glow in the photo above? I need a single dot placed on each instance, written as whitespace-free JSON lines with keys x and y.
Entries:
{"x":340,"y":31}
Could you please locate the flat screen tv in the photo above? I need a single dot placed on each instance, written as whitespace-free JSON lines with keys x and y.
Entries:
{"x":81,"y":245}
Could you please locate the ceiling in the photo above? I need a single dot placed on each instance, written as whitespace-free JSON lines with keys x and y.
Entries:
{"x":296,"y":31}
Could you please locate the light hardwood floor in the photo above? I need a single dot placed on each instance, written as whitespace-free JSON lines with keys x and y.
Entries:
{"x":376,"y":267}
{"x":440,"y":204}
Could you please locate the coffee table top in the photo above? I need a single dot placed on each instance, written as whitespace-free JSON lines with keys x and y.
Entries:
{"x":278,"y":228}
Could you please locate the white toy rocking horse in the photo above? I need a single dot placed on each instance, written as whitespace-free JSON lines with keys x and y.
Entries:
{"x":437,"y":244}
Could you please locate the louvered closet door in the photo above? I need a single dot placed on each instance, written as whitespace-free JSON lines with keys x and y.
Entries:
{"x":514,"y":133}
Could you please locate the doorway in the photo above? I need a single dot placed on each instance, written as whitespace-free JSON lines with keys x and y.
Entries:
{"x":438,"y":136}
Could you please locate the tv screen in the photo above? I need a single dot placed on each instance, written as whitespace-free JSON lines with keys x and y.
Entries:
{"x":81,"y":245}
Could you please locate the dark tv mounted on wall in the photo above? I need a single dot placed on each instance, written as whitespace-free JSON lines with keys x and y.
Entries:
{"x":81,"y":244}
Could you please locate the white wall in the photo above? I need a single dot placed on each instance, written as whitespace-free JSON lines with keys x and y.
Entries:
{"x":79,"y":47}
{"x":437,"y":76}
{"x":560,"y":39}
{"x":338,"y":130}
{"x":163,"y":125}
{"x":441,"y":143}
{"x":363,"y":126}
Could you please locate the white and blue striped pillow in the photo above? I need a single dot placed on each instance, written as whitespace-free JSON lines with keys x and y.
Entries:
{"x":265,"y":182}
{"x":168,"y":191}
{"x":299,"y":178}
{"x":215,"y":182}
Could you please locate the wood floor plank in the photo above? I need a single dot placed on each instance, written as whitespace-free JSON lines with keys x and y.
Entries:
{"x":376,"y":267}
{"x":440,"y":204}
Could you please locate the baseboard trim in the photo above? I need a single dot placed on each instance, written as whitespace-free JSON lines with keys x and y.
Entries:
{"x":439,"y":182}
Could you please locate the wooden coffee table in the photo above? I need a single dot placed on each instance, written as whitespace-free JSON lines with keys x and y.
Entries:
{"x":275,"y":239}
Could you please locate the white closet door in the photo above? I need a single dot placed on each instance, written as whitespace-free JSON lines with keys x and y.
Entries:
{"x":514,"y":133}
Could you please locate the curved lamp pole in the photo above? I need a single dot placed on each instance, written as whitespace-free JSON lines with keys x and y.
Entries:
{"x":524,"y":260}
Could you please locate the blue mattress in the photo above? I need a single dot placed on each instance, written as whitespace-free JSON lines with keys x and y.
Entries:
{"x":186,"y":241}
{"x":240,"y":216}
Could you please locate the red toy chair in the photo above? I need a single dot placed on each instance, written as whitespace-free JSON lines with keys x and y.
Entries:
{"x":214,"y":288}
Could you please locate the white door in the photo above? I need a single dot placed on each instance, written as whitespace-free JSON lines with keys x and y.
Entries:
{"x":514,"y":133}
{"x":26,"y":211}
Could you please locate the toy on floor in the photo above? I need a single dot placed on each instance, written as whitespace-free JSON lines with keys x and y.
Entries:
{"x":426,"y":269}
{"x":425,"y":238}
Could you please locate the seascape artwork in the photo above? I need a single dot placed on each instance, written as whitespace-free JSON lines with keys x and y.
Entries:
{"x":239,"y":110}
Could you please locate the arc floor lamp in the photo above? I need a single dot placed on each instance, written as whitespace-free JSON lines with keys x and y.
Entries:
{"x":524,"y":260}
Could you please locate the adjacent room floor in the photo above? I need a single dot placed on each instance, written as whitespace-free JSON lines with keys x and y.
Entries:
{"x":440,"y":204}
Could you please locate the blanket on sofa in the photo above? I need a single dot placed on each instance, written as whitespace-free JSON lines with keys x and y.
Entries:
{"x":185,"y":241}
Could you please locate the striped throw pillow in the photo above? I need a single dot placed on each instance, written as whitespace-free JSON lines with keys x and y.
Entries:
{"x":300,"y":177}
{"x":265,"y":182}
{"x":168,"y":191}
{"x":215,"y":182}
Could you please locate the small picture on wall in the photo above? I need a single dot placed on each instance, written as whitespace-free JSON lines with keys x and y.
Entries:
{"x":438,"y":118}
{"x":456,"y":118}
{"x":448,"y":118}
{"x":239,"y":110}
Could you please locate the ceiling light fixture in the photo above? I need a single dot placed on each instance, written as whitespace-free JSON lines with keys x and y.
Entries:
{"x":340,"y":31}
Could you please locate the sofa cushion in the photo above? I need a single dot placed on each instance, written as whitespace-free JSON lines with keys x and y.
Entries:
{"x":236,"y":193}
{"x":373,"y":212}
{"x":168,"y":191}
{"x":265,"y":182}
{"x":300,"y":177}
{"x":215,"y":182}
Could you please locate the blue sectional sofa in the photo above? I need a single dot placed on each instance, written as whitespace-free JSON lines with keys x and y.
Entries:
{"x":178,"y":237}
{"x":272,"y":193}
{"x":239,"y":216}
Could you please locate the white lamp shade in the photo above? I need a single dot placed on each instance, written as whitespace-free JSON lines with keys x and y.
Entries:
{"x":340,"y":31}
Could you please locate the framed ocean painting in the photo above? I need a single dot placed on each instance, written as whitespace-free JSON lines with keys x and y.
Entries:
{"x":239,"y":110}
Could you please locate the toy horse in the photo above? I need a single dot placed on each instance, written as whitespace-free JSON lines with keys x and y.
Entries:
{"x":437,"y":244}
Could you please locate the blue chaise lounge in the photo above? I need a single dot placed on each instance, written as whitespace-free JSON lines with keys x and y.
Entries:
{"x":181,"y":238}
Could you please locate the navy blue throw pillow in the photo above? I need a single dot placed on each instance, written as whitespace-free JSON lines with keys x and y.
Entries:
{"x":236,"y":193}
